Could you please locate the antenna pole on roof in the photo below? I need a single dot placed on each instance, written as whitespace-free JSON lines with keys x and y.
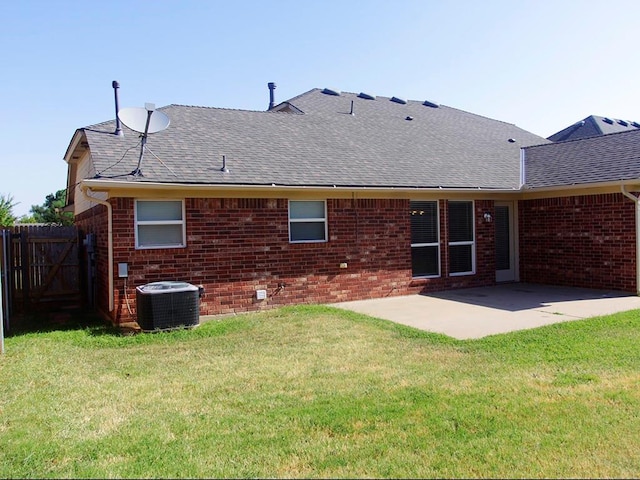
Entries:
{"x":150,"y":107}
{"x":116,"y":86}
{"x":272,"y":87}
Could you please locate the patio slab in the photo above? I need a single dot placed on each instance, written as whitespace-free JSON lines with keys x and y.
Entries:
{"x":479,"y":312}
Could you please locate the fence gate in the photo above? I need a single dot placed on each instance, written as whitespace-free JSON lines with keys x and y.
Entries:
{"x":41,"y":266}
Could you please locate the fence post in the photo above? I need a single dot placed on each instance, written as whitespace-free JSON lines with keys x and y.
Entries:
{"x":8,"y":277}
{"x":2,"y":268}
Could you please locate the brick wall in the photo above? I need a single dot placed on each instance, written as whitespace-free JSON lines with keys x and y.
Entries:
{"x":237,"y":246}
{"x":585,"y":241}
{"x":95,"y":221}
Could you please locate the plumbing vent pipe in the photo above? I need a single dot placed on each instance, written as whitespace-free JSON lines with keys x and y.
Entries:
{"x":272,"y":87}
{"x":116,"y":86}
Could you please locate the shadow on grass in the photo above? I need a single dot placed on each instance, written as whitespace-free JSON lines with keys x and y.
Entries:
{"x":59,"y":320}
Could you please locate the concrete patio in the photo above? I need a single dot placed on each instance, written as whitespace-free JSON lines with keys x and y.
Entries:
{"x":479,"y":312}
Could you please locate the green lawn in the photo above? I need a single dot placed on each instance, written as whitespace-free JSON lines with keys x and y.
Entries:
{"x":319,"y":392}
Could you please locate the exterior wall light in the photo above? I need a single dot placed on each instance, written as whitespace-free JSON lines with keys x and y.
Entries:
{"x":488,"y":218}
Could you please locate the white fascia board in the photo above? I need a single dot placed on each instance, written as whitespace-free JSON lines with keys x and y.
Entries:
{"x":106,"y":185}
{"x":75,"y":140}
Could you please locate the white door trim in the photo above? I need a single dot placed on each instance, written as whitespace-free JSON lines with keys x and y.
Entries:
{"x":512,"y":274}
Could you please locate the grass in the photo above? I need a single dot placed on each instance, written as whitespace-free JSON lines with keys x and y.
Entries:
{"x":319,"y":392}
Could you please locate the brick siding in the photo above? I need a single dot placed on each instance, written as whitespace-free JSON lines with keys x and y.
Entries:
{"x":583,"y":241}
{"x":95,"y":221}
{"x":237,"y":246}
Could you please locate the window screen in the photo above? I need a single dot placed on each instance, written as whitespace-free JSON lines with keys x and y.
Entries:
{"x":307,"y":221}
{"x":160,"y":224}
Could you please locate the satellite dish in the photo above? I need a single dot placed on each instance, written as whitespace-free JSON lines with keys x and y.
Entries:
{"x":136,"y":119}
{"x":145,"y":121}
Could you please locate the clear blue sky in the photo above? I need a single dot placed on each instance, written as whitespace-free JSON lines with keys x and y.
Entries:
{"x":542,"y":65}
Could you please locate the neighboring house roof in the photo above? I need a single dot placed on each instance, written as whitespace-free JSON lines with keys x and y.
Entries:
{"x":606,"y":158}
{"x":593,"y":126}
{"x":384,"y":144}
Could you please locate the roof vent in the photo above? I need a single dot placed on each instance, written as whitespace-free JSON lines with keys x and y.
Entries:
{"x":635,"y":124}
{"x":366,"y":96}
{"x":401,"y":101}
{"x":427,"y":103}
{"x":409,"y":117}
{"x":271,"y":86}
{"x":623,"y":123}
{"x":512,"y":140}
{"x":328,"y":91}
{"x":607,"y":120}
{"x":116,"y":86}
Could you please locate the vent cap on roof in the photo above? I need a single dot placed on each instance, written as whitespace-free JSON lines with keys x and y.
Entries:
{"x":635,"y":124}
{"x":401,"y":101}
{"x":623,"y":123}
{"x":330,"y":91}
{"x":427,"y":103}
{"x":607,"y":120}
{"x":366,"y":96}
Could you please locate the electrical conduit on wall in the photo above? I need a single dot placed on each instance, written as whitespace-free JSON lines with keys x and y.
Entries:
{"x":85,"y":191}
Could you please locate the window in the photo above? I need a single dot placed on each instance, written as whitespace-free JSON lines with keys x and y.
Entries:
{"x":307,"y":221}
{"x":425,"y":239}
{"x":160,"y":224}
{"x":461,"y":239}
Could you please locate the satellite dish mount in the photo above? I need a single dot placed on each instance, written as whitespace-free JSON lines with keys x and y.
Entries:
{"x":145,"y":120}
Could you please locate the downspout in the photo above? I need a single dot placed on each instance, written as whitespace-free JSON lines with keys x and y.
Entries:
{"x":109,"y":239}
{"x":635,"y":200}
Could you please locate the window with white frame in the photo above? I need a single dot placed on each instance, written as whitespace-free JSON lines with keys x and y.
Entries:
{"x":462,"y":250}
{"x":159,"y":224}
{"x":307,"y":221}
{"x":425,"y":239}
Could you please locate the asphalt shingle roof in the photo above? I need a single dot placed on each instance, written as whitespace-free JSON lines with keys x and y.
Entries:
{"x":383,"y":144}
{"x":606,"y":158}
{"x":593,"y":126}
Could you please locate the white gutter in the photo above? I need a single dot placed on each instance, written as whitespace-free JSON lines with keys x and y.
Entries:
{"x":581,"y":186}
{"x":102,"y":185}
{"x":84,"y":189}
{"x":635,"y":200}
{"x":106,"y":185}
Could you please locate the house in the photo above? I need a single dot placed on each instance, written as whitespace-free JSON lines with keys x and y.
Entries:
{"x":593,"y":126}
{"x":578,"y":224}
{"x":334,"y":196}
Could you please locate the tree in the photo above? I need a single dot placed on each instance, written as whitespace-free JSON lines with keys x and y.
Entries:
{"x":25,"y":219}
{"x":7,"y":218}
{"x":51,"y":210}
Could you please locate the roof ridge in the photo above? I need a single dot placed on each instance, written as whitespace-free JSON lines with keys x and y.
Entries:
{"x":93,"y":126}
{"x":213,"y":108}
{"x":442,"y":105}
{"x":290,"y":100}
{"x":412,"y":101}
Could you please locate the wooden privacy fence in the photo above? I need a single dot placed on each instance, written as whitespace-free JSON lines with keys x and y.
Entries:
{"x":41,"y":266}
